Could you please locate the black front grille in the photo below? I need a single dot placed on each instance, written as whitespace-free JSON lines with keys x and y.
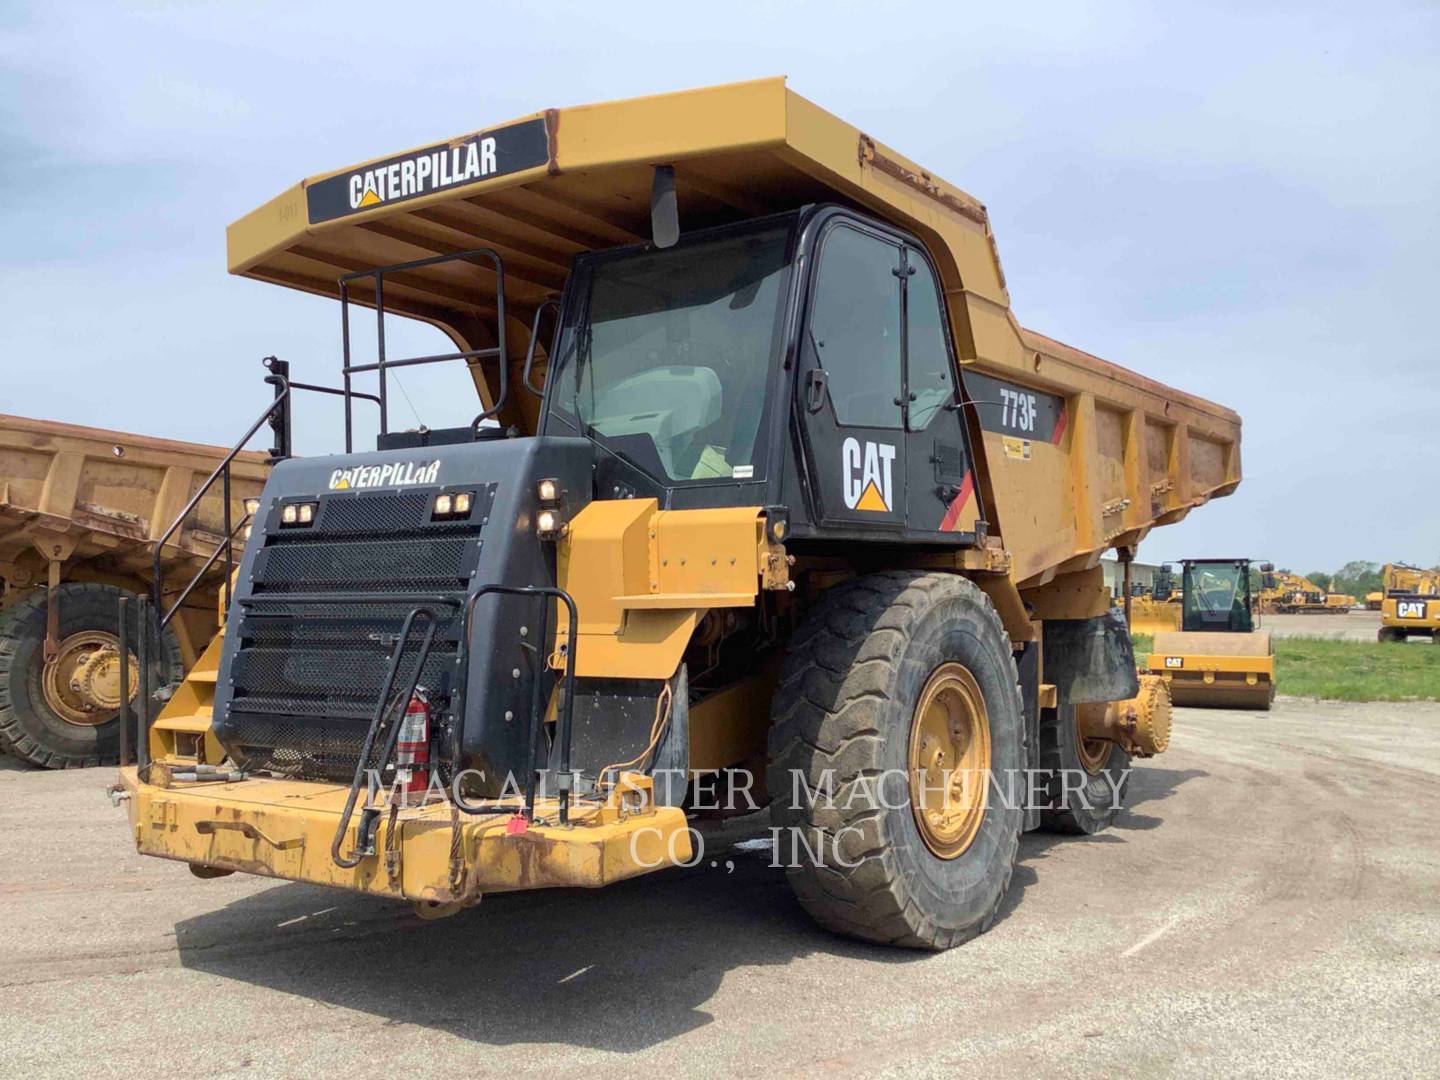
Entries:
{"x":423,"y":563}
{"x":304,"y":680}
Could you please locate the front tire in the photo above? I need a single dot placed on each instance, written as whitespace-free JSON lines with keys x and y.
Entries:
{"x":885,"y":858}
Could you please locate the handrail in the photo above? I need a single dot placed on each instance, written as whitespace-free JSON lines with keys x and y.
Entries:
{"x":383,"y":707}
{"x":158,"y":571}
{"x":539,"y":391}
{"x":383,"y":364}
{"x":568,"y":691}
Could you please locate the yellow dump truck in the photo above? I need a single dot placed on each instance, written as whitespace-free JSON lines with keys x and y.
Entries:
{"x":81,"y":512}
{"x":1410,"y":605}
{"x":777,"y":497}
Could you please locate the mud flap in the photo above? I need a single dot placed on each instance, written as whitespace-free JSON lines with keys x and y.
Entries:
{"x":1091,"y":660}
{"x":613,"y":719}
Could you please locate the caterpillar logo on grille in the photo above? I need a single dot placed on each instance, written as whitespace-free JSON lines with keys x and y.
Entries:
{"x":396,"y":473}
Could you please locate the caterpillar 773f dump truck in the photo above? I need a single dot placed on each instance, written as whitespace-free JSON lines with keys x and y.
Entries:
{"x":785,"y":495}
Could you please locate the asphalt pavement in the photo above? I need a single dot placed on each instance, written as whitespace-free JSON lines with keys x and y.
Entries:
{"x":1266,"y":906}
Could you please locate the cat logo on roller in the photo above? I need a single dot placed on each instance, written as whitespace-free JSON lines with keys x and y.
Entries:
{"x":868,"y":470}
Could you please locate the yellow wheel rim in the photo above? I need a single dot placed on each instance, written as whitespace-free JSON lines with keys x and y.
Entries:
{"x":949,"y":761}
{"x":1093,"y":753}
{"x":82,"y":684}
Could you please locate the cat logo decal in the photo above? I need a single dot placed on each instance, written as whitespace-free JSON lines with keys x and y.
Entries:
{"x":868,"y":470}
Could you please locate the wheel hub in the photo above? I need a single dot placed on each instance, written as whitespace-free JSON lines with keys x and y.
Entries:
{"x":82,"y":683}
{"x":949,"y":761}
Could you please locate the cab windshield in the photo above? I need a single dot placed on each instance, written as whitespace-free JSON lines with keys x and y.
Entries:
{"x":669,"y":361}
{"x":1217,"y":597}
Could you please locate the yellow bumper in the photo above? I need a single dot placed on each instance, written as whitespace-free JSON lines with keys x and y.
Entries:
{"x":284,"y":829}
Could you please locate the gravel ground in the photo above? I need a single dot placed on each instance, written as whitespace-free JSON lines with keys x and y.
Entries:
{"x":1266,"y":906}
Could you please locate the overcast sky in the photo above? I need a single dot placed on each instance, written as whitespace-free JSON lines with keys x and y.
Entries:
{"x":1242,"y":202}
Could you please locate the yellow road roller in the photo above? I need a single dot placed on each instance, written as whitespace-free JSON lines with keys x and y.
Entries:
{"x":1217,"y":657}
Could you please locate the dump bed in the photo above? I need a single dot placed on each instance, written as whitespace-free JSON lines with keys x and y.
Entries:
{"x":91,"y":496}
{"x":1079,"y":455}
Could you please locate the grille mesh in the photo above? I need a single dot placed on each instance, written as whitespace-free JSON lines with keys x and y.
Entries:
{"x":304,"y":680}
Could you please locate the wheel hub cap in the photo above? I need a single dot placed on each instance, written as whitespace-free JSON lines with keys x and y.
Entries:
{"x":949,"y":761}
{"x":82,"y":683}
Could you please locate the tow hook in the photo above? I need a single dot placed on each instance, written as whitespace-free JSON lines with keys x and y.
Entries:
{"x":118,"y":793}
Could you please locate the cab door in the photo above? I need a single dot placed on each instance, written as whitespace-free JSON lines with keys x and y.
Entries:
{"x":851,"y":382}
{"x":942,"y":497}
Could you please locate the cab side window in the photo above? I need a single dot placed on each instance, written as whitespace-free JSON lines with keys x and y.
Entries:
{"x":931,"y":380}
{"x":855,"y":323}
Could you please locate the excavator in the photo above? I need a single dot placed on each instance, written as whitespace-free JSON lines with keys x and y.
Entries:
{"x":1217,"y":657}
{"x":1410,"y":604}
{"x":1285,"y":593}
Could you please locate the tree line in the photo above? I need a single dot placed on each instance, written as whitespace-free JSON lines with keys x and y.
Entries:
{"x":1354,"y":578}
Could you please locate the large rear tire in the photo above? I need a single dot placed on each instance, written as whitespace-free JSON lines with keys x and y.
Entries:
{"x":1085,"y":779}
{"x":896,"y":687}
{"x":44,"y":718}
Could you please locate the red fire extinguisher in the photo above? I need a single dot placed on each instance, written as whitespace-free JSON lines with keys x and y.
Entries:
{"x":412,"y":748}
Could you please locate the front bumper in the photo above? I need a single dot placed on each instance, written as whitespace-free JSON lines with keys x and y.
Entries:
{"x":284,"y":828}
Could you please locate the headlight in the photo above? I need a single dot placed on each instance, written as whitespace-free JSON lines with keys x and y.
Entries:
{"x":298,"y":513}
{"x":453,"y":504}
{"x":549,"y":491}
{"x":252,"y":506}
{"x":549,"y":525}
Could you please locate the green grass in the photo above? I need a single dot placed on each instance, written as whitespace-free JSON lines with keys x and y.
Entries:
{"x":1349,"y":670}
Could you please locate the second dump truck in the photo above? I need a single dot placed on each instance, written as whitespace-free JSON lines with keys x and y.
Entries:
{"x":86,"y":515}
{"x":767,"y":488}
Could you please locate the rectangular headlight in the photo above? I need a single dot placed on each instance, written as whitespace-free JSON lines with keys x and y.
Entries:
{"x":298,"y":513}
{"x":453,"y":504}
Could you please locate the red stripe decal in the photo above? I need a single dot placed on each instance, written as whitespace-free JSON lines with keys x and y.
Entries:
{"x":957,"y":504}
{"x":1060,"y":425}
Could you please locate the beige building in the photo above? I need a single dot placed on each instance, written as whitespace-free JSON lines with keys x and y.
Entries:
{"x":1142,"y":574}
